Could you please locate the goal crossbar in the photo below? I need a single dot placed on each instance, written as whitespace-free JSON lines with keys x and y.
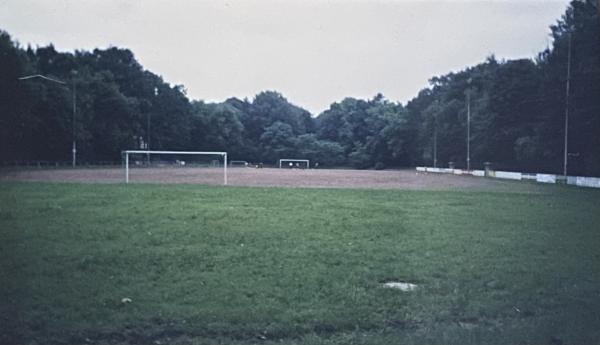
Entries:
{"x":213,"y":153}
{"x":178,"y":152}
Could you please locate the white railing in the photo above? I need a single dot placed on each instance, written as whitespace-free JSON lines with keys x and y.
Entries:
{"x":581,"y":181}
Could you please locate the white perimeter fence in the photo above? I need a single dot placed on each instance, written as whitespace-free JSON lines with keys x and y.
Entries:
{"x":581,"y":181}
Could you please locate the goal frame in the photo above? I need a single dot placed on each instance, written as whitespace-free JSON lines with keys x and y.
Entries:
{"x":207,"y":153}
{"x":295,"y":160}
{"x":233,"y":163}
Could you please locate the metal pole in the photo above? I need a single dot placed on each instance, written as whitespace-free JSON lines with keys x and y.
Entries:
{"x":148,"y":127}
{"x":435,"y":145}
{"x":225,"y":170}
{"x":435,"y":115}
{"x":566,"y":153}
{"x":126,"y":167}
{"x":74,"y":149}
{"x":148,"y":140}
{"x":468,"y":130}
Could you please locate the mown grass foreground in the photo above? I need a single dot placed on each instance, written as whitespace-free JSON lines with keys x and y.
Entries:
{"x":207,"y":265}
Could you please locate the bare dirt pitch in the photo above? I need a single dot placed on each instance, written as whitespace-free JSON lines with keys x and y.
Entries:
{"x":315,"y":178}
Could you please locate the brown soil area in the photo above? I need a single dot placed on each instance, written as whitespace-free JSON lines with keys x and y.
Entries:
{"x":327,"y":178}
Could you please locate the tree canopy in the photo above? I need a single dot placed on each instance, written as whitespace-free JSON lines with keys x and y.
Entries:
{"x":517,"y":110}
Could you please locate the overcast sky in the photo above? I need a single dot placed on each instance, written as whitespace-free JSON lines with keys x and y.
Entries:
{"x":314,"y":52}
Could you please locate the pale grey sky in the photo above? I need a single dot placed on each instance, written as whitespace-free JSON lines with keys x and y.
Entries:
{"x":314,"y":52}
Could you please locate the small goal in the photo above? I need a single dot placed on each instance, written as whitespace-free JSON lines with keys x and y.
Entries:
{"x":238,"y":164}
{"x":208,"y":159}
{"x":294,"y":163}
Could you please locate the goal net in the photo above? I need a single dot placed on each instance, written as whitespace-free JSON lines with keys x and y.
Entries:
{"x":214,"y":163}
{"x":238,"y":164}
{"x":294,"y":163}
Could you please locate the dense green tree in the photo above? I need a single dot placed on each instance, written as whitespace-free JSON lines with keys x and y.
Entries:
{"x":370,"y":132}
{"x":517,"y":112}
{"x":217,"y":127}
{"x":277,"y":142}
{"x":518,"y":107}
{"x":323,"y":153}
{"x":579,"y":26}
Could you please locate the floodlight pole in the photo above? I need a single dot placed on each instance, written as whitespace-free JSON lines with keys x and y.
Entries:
{"x":468,"y":124}
{"x":435,"y":115}
{"x":225,"y":168}
{"x":566,"y":153}
{"x":148,"y":140}
{"x":127,"y":167}
{"x":435,"y":146}
{"x":74,"y":147}
{"x":148,"y":129}
{"x":469,"y":131}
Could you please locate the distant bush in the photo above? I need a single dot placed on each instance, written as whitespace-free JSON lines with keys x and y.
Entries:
{"x":379,"y":166}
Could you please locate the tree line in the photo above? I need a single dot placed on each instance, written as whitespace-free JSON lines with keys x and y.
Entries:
{"x":517,"y":112}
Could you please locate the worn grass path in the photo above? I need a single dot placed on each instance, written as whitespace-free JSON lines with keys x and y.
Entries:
{"x":206,"y":265}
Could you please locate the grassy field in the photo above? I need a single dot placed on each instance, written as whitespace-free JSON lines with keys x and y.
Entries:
{"x":238,"y":265}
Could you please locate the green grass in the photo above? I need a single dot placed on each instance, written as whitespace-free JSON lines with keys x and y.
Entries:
{"x":208,"y":265}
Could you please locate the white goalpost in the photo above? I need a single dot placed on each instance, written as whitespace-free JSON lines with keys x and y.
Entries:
{"x":128,"y":152}
{"x":292,"y":161}
{"x":238,"y":163}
